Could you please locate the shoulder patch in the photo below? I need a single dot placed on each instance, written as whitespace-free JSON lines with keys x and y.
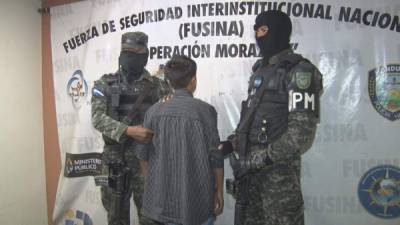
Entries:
{"x":303,"y":79}
{"x":96,"y":92}
{"x":258,"y":80}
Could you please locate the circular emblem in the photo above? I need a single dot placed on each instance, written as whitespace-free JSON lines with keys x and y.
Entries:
{"x":77,"y":88}
{"x":379,"y":191}
{"x":303,"y":80}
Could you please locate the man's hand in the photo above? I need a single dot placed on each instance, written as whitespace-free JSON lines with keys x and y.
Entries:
{"x":166,"y":98}
{"x":218,"y":203}
{"x":139,"y":133}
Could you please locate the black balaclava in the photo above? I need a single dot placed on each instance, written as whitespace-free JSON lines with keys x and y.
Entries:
{"x":278,"y":35}
{"x":132,"y":63}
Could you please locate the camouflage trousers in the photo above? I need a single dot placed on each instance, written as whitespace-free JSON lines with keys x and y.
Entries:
{"x":135,"y":187}
{"x":275,"y":197}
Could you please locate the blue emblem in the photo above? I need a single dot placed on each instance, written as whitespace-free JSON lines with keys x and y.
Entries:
{"x":379,"y":191}
{"x":258,"y":80}
{"x":77,"y":88}
{"x":97,"y":93}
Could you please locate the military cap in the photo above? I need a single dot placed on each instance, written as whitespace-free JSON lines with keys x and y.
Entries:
{"x":134,"y":42}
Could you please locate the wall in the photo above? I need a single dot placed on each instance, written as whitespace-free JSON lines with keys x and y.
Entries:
{"x":22,"y":186}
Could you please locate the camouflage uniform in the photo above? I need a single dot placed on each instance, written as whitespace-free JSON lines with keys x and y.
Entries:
{"x":118,"y":147}
{"x":278,"y":136}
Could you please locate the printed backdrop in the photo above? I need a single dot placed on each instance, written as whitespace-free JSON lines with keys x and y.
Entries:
{"x":351,"y":174}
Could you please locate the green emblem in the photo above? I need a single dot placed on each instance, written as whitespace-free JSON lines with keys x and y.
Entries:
{"x":303,"y":79}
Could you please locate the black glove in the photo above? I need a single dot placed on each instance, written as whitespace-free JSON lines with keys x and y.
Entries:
{"x":237,"y":166}
{"x":227,"y":147}
{"x":253,"y":162}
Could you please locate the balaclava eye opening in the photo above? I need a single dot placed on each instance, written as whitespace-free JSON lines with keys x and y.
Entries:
{"x":133,"y":63}
{"x":278,"y":36}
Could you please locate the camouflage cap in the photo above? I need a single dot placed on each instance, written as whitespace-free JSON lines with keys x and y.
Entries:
{"x":134,"y":42}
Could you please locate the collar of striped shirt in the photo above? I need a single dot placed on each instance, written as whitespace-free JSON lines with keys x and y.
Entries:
{"x":183,"y":92}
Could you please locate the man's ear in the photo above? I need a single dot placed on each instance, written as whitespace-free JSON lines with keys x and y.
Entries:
{"x":194,"y":78}
{"x":192,"y":84}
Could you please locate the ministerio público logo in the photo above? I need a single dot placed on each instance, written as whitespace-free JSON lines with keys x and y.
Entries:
{"x":77,"y":88}
{"x":379,"y":191}
{"x":77,"y":217}
{"x":69,"y":166}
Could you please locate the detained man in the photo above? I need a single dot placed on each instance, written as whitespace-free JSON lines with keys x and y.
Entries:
{"x":184,"y":174}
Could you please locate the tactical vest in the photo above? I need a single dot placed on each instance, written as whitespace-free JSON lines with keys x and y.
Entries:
{"x":121,"y":97}
{"x":271,"y":117}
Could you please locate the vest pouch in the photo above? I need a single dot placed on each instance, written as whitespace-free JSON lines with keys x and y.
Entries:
{"x":115,"y":91}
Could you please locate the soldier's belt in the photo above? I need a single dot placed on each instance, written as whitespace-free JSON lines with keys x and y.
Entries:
{"x":255,"y":146}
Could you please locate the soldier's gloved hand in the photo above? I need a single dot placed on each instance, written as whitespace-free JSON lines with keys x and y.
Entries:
{"x":258,"y":159}
{"x":234,"y":161}
{"x":237,"y":165}
{"x":226,"y":147}
{"x":253,"y":162}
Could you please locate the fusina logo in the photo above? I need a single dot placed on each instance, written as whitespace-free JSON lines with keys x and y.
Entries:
{"x":77,"y":218}
{"x":77,"y":88}
{"x":384,"y":90}
{"x":379,"y":191}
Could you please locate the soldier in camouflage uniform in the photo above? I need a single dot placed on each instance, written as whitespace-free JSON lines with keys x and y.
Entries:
{"x":281,"y":115}
{"x":113,"y":97}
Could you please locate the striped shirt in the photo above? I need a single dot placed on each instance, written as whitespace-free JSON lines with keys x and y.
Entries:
{"x":180,"y":183}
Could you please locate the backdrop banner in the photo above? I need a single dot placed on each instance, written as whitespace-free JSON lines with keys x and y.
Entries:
{"x":350,"y":175}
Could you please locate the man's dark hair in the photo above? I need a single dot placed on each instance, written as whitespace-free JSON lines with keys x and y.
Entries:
{"x":179,"y":71}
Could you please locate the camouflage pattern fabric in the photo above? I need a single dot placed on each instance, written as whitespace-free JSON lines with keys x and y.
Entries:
{"x":274,"y":192}
{"x":275,"y":197}
{"x":115,"y":130}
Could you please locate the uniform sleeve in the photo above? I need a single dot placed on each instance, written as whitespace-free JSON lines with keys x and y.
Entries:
{"x":296,"y":140}
{"x":100,"y":120}
{"x":215,"y":155}
{"x":305,"y":88}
